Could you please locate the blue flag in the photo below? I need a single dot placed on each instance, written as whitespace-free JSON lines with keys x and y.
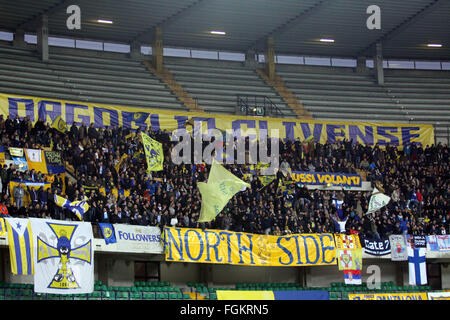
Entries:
{"x":108,"y":232}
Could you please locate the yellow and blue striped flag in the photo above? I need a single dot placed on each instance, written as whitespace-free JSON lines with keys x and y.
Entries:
{"x":3,"y":232}
{"x":79,"y":207}
{"x":20,"y":240}
{"x":2,"y":155}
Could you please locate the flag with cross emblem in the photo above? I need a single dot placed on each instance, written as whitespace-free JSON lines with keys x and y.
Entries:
{"x":349,"y":253}
{"x":350,"y":261}
{"x":417,"y":265}
{"x":64,"y":259}
{"x":344,"y":241}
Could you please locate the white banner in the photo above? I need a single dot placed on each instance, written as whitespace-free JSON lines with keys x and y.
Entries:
{"x":34,"y":155}
{"x":377,"y":201}
{"x":439,"y":295}
{"x":398,"y":247}
{"x":137,"y":239}
{"x":64,"y":257}
{"x":438,"y":242}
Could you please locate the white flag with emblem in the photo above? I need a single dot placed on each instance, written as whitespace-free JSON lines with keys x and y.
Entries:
{"x":64,"y":257}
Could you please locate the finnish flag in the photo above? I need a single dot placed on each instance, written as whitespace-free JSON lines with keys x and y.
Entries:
{"x":417,"y":266}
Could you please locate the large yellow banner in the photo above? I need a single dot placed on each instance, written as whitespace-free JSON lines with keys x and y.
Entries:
{"x":368,"y":133}
{"x":389,"y":296}
{"x":238,"y":248}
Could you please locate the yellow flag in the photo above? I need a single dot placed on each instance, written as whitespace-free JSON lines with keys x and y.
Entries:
{"x":153,"y":153}
{"x":59,"y":124}
{"x":123,"y":157}
{"x":349,"y":259}
{"x":222,"y":185}
{"x":311,"y":138}
{"x":265,"y":180}
{"x":244,"y":295}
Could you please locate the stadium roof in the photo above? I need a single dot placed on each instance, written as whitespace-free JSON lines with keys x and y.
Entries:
{"x":407,"y":27}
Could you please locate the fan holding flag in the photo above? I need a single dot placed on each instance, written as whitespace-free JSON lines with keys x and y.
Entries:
{"x":222,"y":185}
{"x":377,"y":201}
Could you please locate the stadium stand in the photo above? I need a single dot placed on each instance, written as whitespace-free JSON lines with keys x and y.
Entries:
{"x":119,"y":191}
{"x":393,"y":171}
{"x":216,"y":85}
{"x":423,"y":96}
{"x":341,"y":94}
{"x":83,"y":76}
{"x":195,"y":291}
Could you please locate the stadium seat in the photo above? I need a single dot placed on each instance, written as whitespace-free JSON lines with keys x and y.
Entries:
{"x":122,"y":295}
{"x":108,"y":295}
{"x":186,"y":296}
{"x":149,"y":296}
{"x":135,"y":296}
{"x":11,"y":294}
{"x":96,"y":295}
{"x":162,"y":296}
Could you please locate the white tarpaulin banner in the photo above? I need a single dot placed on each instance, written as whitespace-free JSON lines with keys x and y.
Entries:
{"x":377,"y":201}
{"x":137,"y":239}
{"x":64,"y":257}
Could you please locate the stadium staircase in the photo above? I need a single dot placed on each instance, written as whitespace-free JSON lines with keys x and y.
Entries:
{"x":340,"y":95}
{"x":176,"y":88}
{"x":291,"y":100}
{"x":85,"y":76}
{"x":424,"y":97}
{"x":164,"y":290}
{"x":216,"y":84}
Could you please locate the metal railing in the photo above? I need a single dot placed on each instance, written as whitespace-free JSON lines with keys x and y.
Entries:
{"x":255,"y":105}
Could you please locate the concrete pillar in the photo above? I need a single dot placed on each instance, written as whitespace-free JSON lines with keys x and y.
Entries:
{"x":361,"y":64}
{"x":250,"y":59}
{"x":42,"y":38}
{"x":157,"y":50}
{"x":378,"y":64}
{"x":19,"y":39}
{"x":445,"y":276}
{"x":135,"y":50}
{"x":269,"y":59}
{"x":401,"y":270}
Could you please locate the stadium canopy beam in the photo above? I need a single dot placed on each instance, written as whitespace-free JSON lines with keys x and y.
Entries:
{"x":49,"y":12}
{"x":378,"y":64}
{"x":182,"y":13}
{"x":261,"y":42}
{"x":42,"y":37}
{"x":388,"y":36}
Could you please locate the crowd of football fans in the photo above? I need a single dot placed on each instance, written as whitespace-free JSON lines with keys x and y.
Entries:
{"x":416,"y":178}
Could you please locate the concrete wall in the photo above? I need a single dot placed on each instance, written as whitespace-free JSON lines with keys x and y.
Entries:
{"x":179,"y":273}
{"x":229,"y":274}
{"x":317,"y":276}
{"x":445,"y":275}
